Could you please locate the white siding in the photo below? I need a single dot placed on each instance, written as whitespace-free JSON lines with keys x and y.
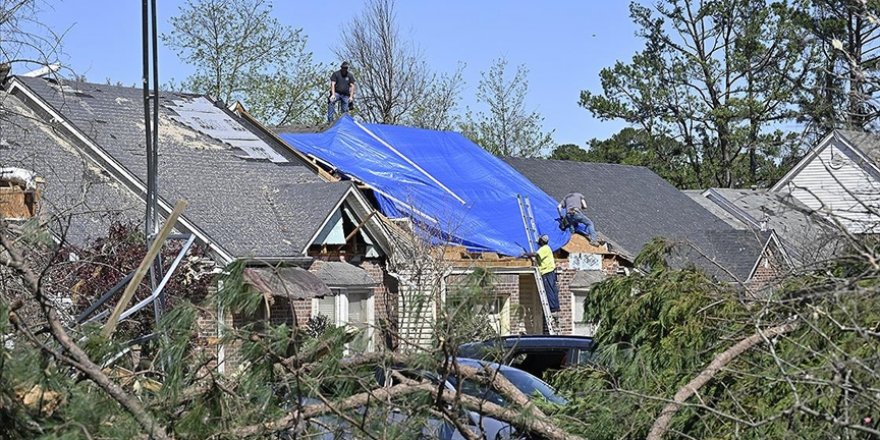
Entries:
{"x":836,"y":186}
{"x":418,"y":294}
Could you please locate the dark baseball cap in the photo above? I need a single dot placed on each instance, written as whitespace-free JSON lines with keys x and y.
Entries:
{"x":344,"y":64}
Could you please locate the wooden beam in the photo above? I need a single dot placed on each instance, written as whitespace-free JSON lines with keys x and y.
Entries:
{"x":358,"y":227}
{"x":142,"y":270}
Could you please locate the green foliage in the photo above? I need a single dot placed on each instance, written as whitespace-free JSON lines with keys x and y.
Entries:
{"x":241,"y":52}
{"x":843,"y":85}
{"x":660,"y":329}
{"x":711,"y":100}
{"x":507,"y":128}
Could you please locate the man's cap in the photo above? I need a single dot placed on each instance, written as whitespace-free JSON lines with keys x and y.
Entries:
{"x":544,"y":239}
{"x":344,"y":64}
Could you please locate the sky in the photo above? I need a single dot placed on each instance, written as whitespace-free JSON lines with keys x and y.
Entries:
{"x":564,"y":44}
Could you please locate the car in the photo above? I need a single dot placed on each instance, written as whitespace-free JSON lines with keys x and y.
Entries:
{"x":494,"y":429}
{"x":535,"y":354}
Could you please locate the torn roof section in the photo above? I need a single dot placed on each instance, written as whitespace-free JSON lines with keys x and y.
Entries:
{"x":248,"y":195}
{"x":74,"y":185}
{"x":441,"y":180}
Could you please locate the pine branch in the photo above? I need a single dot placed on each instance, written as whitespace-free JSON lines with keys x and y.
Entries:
{"x":661,"y":425}
{"x":78,"y":358}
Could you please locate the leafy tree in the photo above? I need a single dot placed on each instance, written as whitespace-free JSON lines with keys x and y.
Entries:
{"x":718,"y":77}
{"x":507,"y":128}
{"x":846,"y":80}
{"x":570,"y":152}
{"x":241,"y":52}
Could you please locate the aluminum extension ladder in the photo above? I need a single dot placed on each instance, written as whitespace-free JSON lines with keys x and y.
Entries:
{"x":528,"y":218}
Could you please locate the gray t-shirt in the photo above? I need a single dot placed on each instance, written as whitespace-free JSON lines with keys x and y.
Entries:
{"x":572,"y":200}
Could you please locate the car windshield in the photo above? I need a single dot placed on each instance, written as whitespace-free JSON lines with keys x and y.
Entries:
{"x":525,"y":382}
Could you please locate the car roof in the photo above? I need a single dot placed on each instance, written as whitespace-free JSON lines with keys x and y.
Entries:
{"x":539,"y":341}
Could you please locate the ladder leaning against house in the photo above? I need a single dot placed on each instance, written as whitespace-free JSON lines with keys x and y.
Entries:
{"x":531,"y":228}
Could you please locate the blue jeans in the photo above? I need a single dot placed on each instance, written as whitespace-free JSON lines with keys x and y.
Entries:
{"x":331,"y":106}
{"x":576,"y":217}
{"x":552,"y":290}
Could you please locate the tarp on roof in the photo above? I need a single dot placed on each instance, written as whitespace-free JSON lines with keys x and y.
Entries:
{"x":439,"y":179}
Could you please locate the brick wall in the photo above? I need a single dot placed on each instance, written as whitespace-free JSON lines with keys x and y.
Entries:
{"x":767,"y":272}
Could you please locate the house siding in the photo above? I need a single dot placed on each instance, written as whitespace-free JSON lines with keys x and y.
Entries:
{"x":832,"y":183}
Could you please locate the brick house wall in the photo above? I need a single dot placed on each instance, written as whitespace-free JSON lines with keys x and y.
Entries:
{"x":768,"y":270}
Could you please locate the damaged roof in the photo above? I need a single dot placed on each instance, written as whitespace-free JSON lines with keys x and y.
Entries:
{"x":806,"y":236}
{"x":75,"y":187}
{"x":631,"y":205}
{"x":250,"y":196}
{"x":342,"y":274}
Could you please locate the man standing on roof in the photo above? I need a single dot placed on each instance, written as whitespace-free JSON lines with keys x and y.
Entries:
{"x":572,"y":205}
{"x":341,"y":88}
{"x":547,"y":267}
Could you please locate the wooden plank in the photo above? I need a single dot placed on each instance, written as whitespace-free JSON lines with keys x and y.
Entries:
{"x":578,"y":244}
{"x":142,"y":270}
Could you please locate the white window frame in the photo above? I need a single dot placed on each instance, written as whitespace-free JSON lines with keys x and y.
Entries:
{"x":579,"y":328}
{"x":341,"y":297}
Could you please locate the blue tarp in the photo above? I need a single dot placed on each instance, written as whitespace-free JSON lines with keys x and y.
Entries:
{"x":440,"y":179}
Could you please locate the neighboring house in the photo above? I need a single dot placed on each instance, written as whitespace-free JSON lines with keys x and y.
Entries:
{"x":840,"y":178}
{"x":807,"y":237}
{"x":250,"y":197}
{"x":631,"y":205}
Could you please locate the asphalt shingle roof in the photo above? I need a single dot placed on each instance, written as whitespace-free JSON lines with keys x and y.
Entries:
{"x":631,"y":205}
{"x":727,"y":255}
{"x":251,"y":208}
{"x":342,"y":274}
{"x":805,"y":235}
{"x":75,"y":186}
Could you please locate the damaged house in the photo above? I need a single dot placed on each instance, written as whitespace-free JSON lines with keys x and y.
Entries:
{"x":463,"y":200}
{"x":305,"y":239}
{"x":459,"y":206}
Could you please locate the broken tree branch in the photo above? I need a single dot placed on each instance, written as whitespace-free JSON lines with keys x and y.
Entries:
{"x":661,"y":425}
{"x":16,"y":261}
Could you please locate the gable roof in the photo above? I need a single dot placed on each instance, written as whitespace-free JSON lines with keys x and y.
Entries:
{"x":863,"y":148}
{"x":249,"y":196}
{"x":631,"y":205}
{"x":806,"y":237}
{"x":727,"y":255}
{"x":458,"y":191}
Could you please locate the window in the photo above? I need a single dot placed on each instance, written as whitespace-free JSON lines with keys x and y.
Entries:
{"x":495,"y":310}
{"x":352,"y":307}
{"x":579,"y":327}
